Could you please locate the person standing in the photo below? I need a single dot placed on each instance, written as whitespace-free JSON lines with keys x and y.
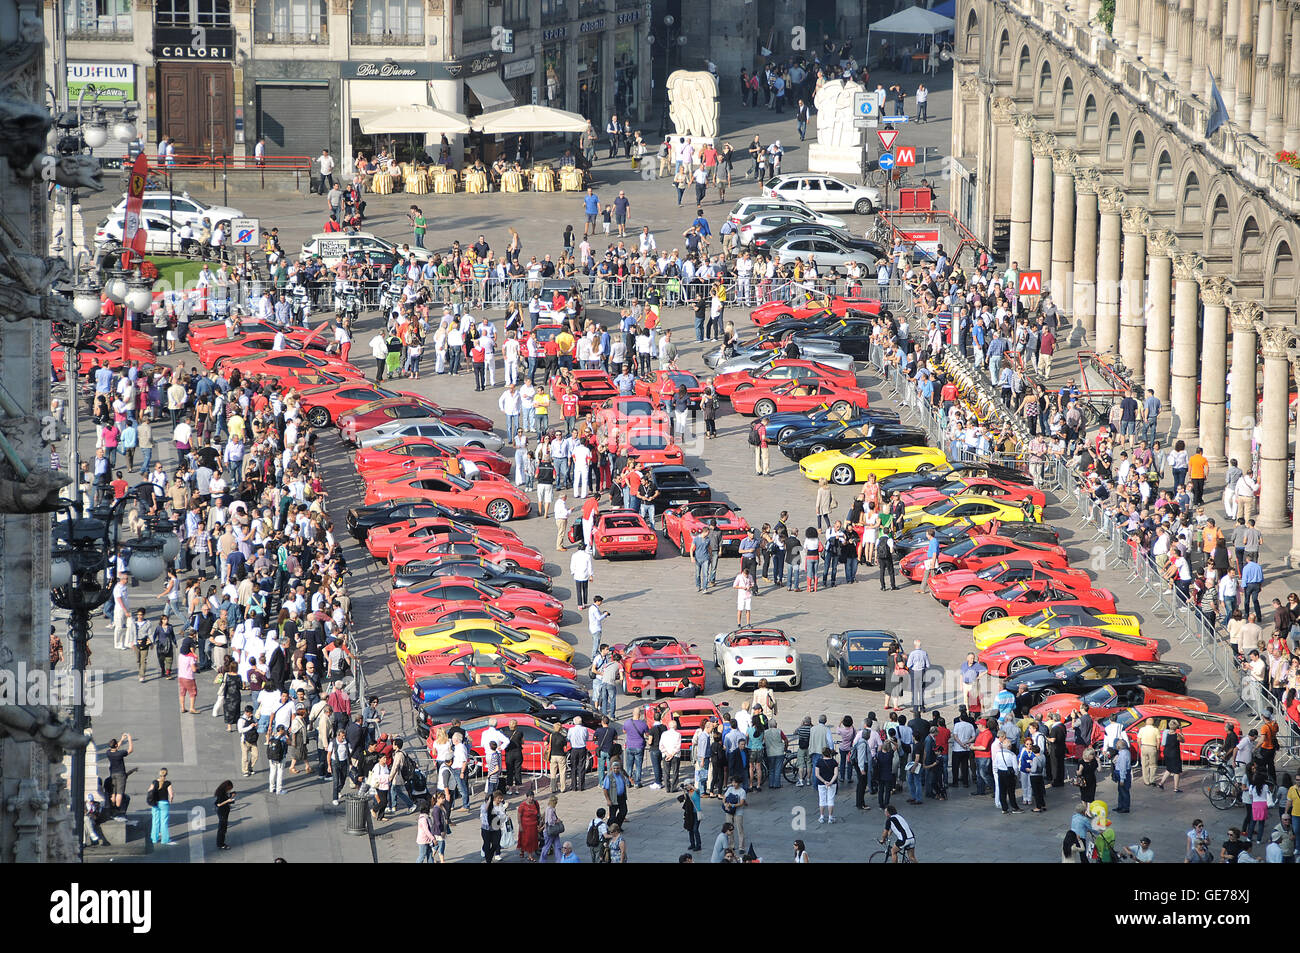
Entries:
{"x":690,"y":801}
{"x":922,"y":102}
{"x":918,"y":662}
{"x":326,"y":163}
{"x":761,"y":454}
{"x":1198,"y":471}
{"x":596,"y":617}
{"x":615,"y":790}
{"x":827,"y":775}
{"x":159,"y":799}
{"x":492,"y":822}
{"x":277,"y":747}
{"x":583,"y":571}
{"x":579,"y":757}
{"x":222,"y":800}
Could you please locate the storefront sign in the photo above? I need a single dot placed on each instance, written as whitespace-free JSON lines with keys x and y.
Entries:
{"x":194,"y":43}
{"x":592,"y":26}
{"x":555,"y":33}
{"x":520,"y":68}
{"x":115,"y":82}
{"x":382,"y":69}
{"x":632,"y":16}
{"x":484,"y":63}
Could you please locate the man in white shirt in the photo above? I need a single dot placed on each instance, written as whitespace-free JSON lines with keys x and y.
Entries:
{"x":379,"y":351}
{"x":493,"y":733}
{"x":582,"y":568}
{"x":578,"y":755}
{"x":121,"y":610}
{"x":596,"y":617}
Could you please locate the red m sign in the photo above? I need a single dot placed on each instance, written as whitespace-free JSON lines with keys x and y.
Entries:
{"x":1031,"y":283}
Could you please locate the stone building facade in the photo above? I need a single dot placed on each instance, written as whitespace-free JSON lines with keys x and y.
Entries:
{"x":1083,"y":154}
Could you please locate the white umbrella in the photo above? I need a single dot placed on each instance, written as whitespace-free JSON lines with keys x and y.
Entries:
{"x":415,"y":118}
{"x":530,"y":119}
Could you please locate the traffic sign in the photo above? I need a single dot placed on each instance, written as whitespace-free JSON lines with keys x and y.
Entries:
{"x":905,"y":156}
{"x":865,"y":106}
{"x":245,"y":232}
{"x":887,"y":137}
{"x":886,"y":160}
{"x":1031,"y":283}
{"x":893,"y":119}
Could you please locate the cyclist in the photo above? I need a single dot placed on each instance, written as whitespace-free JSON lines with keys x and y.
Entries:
{"x":904,"y":839}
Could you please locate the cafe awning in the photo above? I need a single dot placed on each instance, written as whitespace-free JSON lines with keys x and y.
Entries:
{"x":416,"y":119}
{"x":529,"y":118}
{"x":491,"y":91}
{"x":375,"y":95}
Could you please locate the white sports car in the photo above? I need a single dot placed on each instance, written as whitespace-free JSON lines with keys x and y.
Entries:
{"x":747,"y":655}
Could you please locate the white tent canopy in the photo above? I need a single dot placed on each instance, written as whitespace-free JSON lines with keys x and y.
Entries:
{"x":414,"y":118}
{"x":916,"y":20}
{"x":530,"y":119}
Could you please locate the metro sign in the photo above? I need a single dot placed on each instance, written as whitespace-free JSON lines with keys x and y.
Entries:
{"x":905,"y":156}
{"x":1031,"y":283}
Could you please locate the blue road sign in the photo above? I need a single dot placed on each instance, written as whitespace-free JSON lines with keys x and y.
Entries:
{"x":886,"y":160}
{"x":894,"y":119}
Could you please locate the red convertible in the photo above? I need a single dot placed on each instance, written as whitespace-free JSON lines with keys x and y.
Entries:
{"x":1024,"y":598}
{"x":623,"y":414}
{"x":773,"y":311}
{"x":388,"y":409}
{"x":659,"y":663}
{"x":134,"y":338}
{"x":456,"y":658}
{"x":456,"y":544}
{"x":204,"y":331}
{"x":537,"y":735}
{"x":290,"y":369}
{"x":1108,"y":699}
{"x":1203,"y":731}
{"x":382,"y":540}
{"x":456,"y":611}
{"x":680,"y":523}
{"x":979,"y":552}
{"x":647,"y":446}
{"x":324,"y":405}
{"x":405,"y":453}
{"x":1011,"y":656}
{"x":665,"y":384}
{"x":592,"y":387}
{"x":428,"y":595}
{"x":102,"y":353}
{"x":623,"y":533}
{"x":1003,"y":490}
{"x":215,"y":352}
{"x":498,"y":499}
{"x":772,"y":397}
{"x":963,"y":582}
{"x":782,"y":369}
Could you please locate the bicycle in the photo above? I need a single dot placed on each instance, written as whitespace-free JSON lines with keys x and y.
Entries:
{"x":789,"y":769}
{"x":882,"y":856}
{"x":1223,"y":791}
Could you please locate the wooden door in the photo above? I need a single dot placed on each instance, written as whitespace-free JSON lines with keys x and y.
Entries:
{"x":197,"y":107}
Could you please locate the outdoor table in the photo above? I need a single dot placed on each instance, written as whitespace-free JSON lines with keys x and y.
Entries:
{"x":381,"y":183}
{"x":571,"y":179}
{"x":476,"y":181}
{"x":512,"y":181}
{"x":543,"y":179}
{"x":444,"y":179}
{"x":417,"y":182}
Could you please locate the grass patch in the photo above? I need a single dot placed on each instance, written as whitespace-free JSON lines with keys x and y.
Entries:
{"x":177,"y":272}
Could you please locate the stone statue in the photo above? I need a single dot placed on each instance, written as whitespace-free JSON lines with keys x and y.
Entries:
{"x":39,"y":493}
{"x":834,"y":102}
{"x":693,"y":103}
{"x":23,"y":128}
{"x":71,"y":172}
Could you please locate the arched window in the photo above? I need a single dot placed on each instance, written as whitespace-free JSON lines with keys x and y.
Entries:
{"x":1164,"y":185}
{"x":1252,"y":246}
{"x":1282,"y":284}
{"x":972,"y":33}
{"x":1069,"y":102}
{"x":1045,"y":91}
{"x":1004,"y":53}
{"x":1220,"y":225}
{"x":1114,"y":140}
{"x":1024,"y":71}
{"x":1091,"y":131}
{"x":1193,"y":200}
{"x":1138,"y":161}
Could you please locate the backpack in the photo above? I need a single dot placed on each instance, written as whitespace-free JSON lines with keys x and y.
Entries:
{"x":407,"y":770}
{"x":250,"y":736}
{"x":593,"y":836}
{"x":275,"y":749}
{"x":151,"y":798}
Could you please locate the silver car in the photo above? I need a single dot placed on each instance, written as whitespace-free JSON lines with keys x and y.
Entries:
{"x":431,"y":427}
{"x":750,"y":360}
{"x":827,"y":252}
{"x":814,"y":351}
{"x":762,"y":224}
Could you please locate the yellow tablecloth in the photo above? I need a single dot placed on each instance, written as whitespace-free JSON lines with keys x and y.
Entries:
{"x":381,"y":184}
{"x":571,"y":179}
{"x":476,"y":181}
{"x":417,"y":182}
{"x":543,"y":179}
{"x":443,"y":179}
{"x":512,"y":181}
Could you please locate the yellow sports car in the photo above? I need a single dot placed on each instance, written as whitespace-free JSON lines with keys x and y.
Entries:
{"x":991,"y":633}
{"x":480,"y":633}
{"x":854,"y":464}
{"x":972,"y":507}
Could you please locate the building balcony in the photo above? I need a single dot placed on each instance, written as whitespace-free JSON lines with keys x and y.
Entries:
{"x":106,"y":30}
{"x":290,"y":38}
{"x":387,"y":39}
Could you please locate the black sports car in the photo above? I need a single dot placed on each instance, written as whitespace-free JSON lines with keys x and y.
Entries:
{"x":835,"y":437}
{"x":902,"y":482}
{"x":489,"y":573}
{"x":860,"y":656}
{"x":481,"y":700}
{"x":787,"y":423}
{"x":362,"y":519}
{"x":1081,"y":675}
{"x":676,"y":485}
{"x":851,"y":333}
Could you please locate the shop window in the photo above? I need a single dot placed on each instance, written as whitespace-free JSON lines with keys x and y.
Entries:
{"x":290,"y":21}
{"x":99,"y":19}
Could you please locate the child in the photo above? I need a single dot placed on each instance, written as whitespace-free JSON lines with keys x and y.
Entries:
{"x":606,"y":217}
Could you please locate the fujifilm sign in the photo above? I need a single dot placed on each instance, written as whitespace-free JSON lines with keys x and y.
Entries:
{"x":77,"y":907}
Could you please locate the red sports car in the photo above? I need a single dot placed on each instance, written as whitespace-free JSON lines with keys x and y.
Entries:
{"x":1003,"y":490}
{"x":1203,"y":731}
{"x":963,"y":582}
{"x":100,"y":353}
{"x":291,"y":370}
{"x":665,"y":384}
{"x":659,"y":663}
{"x":772,"y":397}
{"x":134,"y":338}
{"x":216,"y":351}
{"x":592,"y":387}
{"x":647,"y":446}
{"x":680,"y":523}
{"x":459,"y":545}
{"x":1108,"y":699}
{"x":428,"y":595}
{"x":623,"y":533}
{"x":537,"y":740}
{"x":411,"y":452}
{"x":546,"y":335}
{"x":375,"y":413}
{"x":455,"y":611}
{"x":204,"y":331}
{"x":456,"y":658}
{"x":433,"y":465}
{"x":767,"y":313}
{"x":690,"y":714}
{"x":979,"y":552}
{"x":498,"y":499}
{"x":1017,"y":653}
{"x":623,"y":414}
{"x":1024,"y":598}
{"x":381,"y":540}
{"x":324,"y":405}
{"x":782,"y":369}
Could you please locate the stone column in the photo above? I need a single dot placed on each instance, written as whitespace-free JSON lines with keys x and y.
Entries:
{"x":1040,"y":212}
{"x":1293,"y":557}
{"x":1227,"y":52}
{"x":1144,"y":10}
{"x":1245,"y":64}
{"x":1275,"y":133}
{"x":1085,"y":253}
{"x":1244,"y":316}
{"x":1129,"y":8}
{"x":1063,"y":163}
{"x":1291,"y":138}
{"x":1274,"y":447}
{"x":1022,"y":175}
{"x":1186,"y":362}
{"x":1259,"y":75}
{"x":1214,"y":352}
{"x":1132,"y":330}
{"x":1110,"y":202}
{"x":1159,"y":24}
{"x":1160,"y":270}
{"x":1178,"y":54}
{"x":1200,"y":48}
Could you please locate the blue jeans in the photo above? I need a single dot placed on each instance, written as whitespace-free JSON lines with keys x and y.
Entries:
{"x":633,"y":758}
{"x":146,"y":459}
{"x":160,"y":819}
{"x":792,"y":575}
{"x":602,"y":766}
{"x":701,"y":574}
{"x":512,"y":424}
{"x":425,"y":855}
{"x":1122,"y":790}
{"x":774,"y":770}
{"x":983,"y":775}
{"x":831,"y":568}
{"x":462,"y":782}
{"x":399,"y":788}
{"x":914,"y":788}
{"x":604,"y":697}
{"x":529,"y":423}
{"x":647,"y":511}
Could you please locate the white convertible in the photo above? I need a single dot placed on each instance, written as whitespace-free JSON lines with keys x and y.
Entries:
{"x":747,"y":655}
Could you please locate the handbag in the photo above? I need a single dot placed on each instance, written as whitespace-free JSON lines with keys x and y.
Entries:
{"x":555,"y":830}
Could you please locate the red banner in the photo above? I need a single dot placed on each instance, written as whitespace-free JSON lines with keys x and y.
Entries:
{"x":133,"y":236}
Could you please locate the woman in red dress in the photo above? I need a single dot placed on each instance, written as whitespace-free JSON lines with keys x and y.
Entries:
{"x":528,"y":815}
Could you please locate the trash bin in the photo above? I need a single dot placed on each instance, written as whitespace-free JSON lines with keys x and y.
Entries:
{"x":358,"y":813}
